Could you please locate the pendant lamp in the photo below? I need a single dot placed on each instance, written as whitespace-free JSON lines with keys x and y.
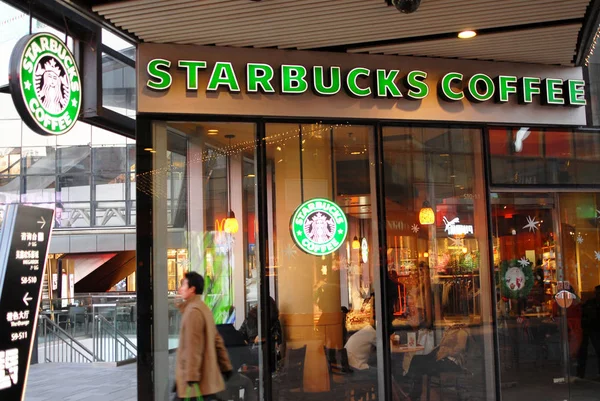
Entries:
{"x":355,"y":243}
{"x":231,"y":225}
{"x":426,"y":215}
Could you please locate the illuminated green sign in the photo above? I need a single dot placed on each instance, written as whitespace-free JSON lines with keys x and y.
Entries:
{"x":45,"y":84}
{"x":362,"y":82}
{"x":319,"y":226}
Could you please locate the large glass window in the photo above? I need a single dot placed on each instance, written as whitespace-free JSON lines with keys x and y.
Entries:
{"x":526,"y":156}
{"x":326,"y":303}
{"x":438,"y":275}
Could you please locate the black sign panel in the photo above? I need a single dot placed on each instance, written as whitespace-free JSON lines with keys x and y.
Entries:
{"x":24,"y":242}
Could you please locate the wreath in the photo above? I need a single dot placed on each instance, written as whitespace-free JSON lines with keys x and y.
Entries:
{"x":516,"y":278}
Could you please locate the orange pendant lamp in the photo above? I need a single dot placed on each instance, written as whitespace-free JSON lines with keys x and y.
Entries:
{"x":426,"y":214}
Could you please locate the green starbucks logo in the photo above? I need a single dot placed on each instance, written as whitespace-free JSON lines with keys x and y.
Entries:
{"x":45,"y":84}
{"x":319,"y":226}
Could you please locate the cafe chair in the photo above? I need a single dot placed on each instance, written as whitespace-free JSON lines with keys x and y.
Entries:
{"x":347,"y":383}
{"x":291,"y":381}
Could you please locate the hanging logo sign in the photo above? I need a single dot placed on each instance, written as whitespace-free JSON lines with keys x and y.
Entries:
{"x":319,"y":226}
{"x":454,"y":228}
{"x":364,"y":250}
{"x":45,"y":84}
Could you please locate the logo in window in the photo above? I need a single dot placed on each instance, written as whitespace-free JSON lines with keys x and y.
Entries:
{"x":319,"y":226}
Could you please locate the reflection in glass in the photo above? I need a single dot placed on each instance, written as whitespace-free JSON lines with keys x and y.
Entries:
{"x":325,"y":303}
{"x":111,"y":214}
{"x":438,"y":275}
{"x":118,"y":86}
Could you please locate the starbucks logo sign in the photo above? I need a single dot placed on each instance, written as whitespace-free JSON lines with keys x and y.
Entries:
{"x":45,"y":84}
{"x":319,"y":226}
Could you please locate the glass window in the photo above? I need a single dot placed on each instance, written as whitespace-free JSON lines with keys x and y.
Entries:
{"x":437,"y":280}
{"x":111,"y":214}
{"x":110,"y":186}
{"x":10,"y":189}
{"x":527,"y":156}
{"x":10,"y":160}
{"x":118,"y":86}
{"x":73,"y":188}
{"x":39,"y":160}
{"x":326,"y":303}
{"x":38,"y":189}
{"x":109,"y":159}
{"x":80,"y":134}
{"x":74,"y":159}
{"x":119,"y":44}
{"x":69,"y":214}
{"x":102,"y":137}
{"x":33,"y":139}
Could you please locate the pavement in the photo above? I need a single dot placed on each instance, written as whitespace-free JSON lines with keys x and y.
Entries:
{"x":72,"y":382}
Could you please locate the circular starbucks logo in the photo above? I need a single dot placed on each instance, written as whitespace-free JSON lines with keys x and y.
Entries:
{"x":319,"y":226}
{"x":45,"y":84}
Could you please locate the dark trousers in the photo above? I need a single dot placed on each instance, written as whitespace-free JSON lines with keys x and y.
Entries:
{"x":594,"y":338}
{"x":427,"y":365}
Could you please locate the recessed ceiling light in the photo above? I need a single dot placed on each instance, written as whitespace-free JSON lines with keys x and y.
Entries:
{"x":250,"y":176}
{"x":467,"y":34}
{"x":213,"y":132}
{"x":150,"y":150}
{"x":355,"y":153}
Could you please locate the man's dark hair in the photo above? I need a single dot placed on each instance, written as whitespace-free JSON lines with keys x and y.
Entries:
{"x":195,"y":280}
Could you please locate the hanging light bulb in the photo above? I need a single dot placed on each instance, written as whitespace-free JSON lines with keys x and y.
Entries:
{"x":426,"y":215}
{"x":231,"y":225}
{"x":355,"y":243}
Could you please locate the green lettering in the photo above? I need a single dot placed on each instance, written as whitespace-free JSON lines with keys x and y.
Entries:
{"x":386,"y":83}
{"x":485,"y":84}
{"x":415,"y":80}
{"x":446,"y":87}
{"x":353,"y":87}
{"x":335,"y":79}
{"x":576,"y":88}
{"x":528,"y":89}
{"x":159,"y":79}
{"x":506,"y":86}
{"x":293,"y":79}
{"x":552,"y":91}
{"x":223,"y":74}
{"x":191,"y":72}
{"x":259,"y":75}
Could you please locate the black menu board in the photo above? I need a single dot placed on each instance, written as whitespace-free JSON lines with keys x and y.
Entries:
{"x":24,"y":240}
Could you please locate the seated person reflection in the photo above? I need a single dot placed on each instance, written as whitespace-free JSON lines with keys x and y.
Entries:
{"x":449,"y":356}
{"x":361,"y":347}
{"x":249,"y":330}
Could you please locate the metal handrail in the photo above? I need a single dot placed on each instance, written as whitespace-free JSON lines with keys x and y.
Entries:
{"x":61,"y":346}
{"x":110,"y":344}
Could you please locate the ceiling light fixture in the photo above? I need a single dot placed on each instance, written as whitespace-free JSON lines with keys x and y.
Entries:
{"x":467,"y":34}
{"x":213,"y":132}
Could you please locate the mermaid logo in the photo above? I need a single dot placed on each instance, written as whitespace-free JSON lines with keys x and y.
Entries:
{"x":319,"y":226}
{"x":45,"y":84}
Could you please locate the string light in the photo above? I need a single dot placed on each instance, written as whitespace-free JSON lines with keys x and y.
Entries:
{"x":151,"y":184}
{"x":593,"y":47}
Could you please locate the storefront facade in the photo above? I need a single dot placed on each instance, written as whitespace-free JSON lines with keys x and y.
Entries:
{"x":335,"y":197}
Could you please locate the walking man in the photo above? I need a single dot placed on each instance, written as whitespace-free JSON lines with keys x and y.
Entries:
{"x":202,"y":358}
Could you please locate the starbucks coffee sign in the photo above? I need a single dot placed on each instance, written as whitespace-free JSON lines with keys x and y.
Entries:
{"x":319,"y":226}
{"x":45,"y":84}
{"x":361,"y":82}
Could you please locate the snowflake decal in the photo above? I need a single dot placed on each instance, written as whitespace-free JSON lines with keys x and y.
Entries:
{"x":532,"y":224}
{"x":290,"y":251}
{"x":579,"y":239}
{"x":415,"y":228}
{"x":523,"y":262}
{"x":456,"y":241}
{"x":597,"y":255}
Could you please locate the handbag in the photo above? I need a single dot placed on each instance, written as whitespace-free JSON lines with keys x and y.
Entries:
{"x":198,"y":397}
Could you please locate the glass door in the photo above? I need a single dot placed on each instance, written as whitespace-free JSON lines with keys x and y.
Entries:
{"x":532,"y":331}
{"x":579,"y":296}
{"x":547,"y":266}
